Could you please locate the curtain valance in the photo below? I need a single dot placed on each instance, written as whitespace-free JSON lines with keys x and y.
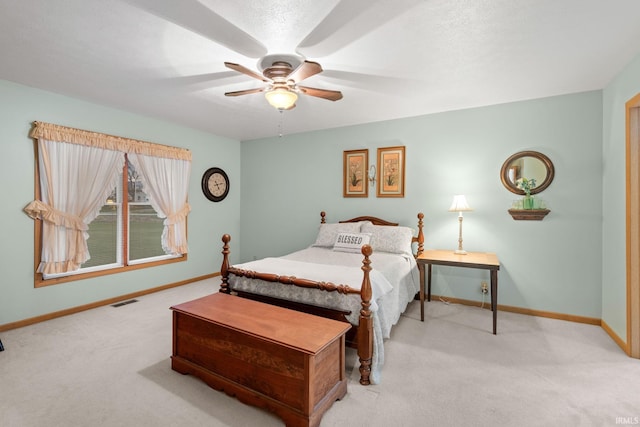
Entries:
{"x":52,"y":132}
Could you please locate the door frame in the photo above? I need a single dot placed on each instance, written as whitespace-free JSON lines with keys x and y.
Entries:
{"x":632,"y":120}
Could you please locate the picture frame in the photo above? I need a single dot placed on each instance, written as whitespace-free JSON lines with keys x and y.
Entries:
{"x":354,"y":175}
{"x":391,"y":171}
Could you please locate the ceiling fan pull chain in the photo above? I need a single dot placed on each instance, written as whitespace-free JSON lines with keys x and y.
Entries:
{"x":280,"y":123}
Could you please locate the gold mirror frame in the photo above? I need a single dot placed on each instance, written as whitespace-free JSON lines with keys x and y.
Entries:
{"x":509,"y":166}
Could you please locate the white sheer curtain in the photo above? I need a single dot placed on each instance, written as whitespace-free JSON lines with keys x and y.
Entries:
{"x":75,"y":181}
{"x":167,"y":185}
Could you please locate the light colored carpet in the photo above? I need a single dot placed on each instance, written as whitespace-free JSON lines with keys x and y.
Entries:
{"x":111,"y":367}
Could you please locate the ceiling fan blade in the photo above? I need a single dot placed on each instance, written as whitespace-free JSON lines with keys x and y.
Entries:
{"x":304,"y":70}
{"x":200,"y":19}
{"x":244,"y":70}
{"x":331,"y":95}
{"x":349,"y":21}
{"x":244,"y":92}
{"x":199,"y":82}
{"x":370,"y":82}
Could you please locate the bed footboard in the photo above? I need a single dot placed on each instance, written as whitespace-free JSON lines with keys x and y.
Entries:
{"x":365,"y":326}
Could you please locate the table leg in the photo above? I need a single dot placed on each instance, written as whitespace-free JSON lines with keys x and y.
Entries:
{"x":428,"y":282}
{"x":494,"y":298}
{"x":421,"y":269}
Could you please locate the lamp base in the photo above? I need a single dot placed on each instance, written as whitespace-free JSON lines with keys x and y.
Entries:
{"x":460,"y":252}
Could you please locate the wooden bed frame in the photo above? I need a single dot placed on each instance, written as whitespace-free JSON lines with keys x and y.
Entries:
{"x":361,"y":336}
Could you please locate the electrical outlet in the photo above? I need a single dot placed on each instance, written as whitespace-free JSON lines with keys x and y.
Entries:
{"x":484,"y":287}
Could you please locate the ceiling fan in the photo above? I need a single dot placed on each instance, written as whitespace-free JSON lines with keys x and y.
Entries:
{"x":283,"y":73}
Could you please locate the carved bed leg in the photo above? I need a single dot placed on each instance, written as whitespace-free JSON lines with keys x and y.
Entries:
{"x":365,"y":327}
{"x":224,"y":269}
{"x":323,"y":214}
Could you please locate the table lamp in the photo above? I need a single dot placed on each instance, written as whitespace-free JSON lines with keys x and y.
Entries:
{"x":460,"y":205}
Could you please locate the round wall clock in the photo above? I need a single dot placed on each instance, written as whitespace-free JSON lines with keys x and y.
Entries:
{"x":215,"y":184}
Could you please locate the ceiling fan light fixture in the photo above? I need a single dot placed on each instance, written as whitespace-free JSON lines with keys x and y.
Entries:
{"x":283,"y":73}
{"x":281,"y":98}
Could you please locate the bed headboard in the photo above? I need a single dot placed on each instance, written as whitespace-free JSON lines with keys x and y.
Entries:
{"x":373,"y":219}
{"x":419,"y":239}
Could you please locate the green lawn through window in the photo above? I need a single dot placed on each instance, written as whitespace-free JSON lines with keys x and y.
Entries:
{"x":145,"y":232}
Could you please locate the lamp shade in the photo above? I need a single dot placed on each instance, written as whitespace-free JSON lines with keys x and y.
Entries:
{"x":460,"y":204}
{"x":281,"y":98}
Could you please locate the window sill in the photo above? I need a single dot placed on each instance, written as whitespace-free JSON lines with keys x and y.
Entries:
{"x":39,"y":282}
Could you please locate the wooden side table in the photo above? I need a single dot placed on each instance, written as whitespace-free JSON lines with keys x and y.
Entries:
{"x":480,"y":260}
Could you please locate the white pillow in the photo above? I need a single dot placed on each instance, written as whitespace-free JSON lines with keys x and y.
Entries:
{"x":387,"y":238}
{"x":351,"y":242}
{"x":327,"y":233}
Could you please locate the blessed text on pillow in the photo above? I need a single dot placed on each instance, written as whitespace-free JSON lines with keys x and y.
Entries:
{"x":351,"y":242}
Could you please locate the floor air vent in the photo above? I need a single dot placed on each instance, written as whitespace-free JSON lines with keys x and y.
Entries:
{"x":120,"y":304}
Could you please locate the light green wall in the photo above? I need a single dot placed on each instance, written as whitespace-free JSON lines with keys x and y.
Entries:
{"x":572,"y":262}
{"x":614,"y":296}
{"x":19,"y":106}
{"x":552,"y":265}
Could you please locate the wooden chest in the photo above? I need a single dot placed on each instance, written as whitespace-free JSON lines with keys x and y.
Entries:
{"x":284,"y":361}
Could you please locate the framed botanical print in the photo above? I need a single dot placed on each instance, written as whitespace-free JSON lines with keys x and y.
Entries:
{"x":391,"y":172}
{"x":355,"y":167}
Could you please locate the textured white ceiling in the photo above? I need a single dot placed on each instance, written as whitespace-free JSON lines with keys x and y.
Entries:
{"x":390,"y":58}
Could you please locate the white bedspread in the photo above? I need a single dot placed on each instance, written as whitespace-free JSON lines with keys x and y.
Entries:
{"x":394,"y":283}
{"x":337,"y":274}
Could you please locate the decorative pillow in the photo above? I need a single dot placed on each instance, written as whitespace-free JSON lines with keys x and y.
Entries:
{"x":351,"y":242}
{"x":387,"y":238}
{"x":328,"y":232}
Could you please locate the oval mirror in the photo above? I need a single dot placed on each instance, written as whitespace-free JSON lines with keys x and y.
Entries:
{"x":530,"y":165}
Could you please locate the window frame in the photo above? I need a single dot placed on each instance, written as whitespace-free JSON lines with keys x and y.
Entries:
{"x":40,"y":281}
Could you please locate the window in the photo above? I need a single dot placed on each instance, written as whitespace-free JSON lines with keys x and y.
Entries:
{"x":106,"y":204}
{"x":108,"y":245}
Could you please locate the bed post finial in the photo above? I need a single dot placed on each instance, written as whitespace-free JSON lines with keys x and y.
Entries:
{"x":420,"y":234}
{"x":365,"y":336}
{"x":224,"y":269}
{"x":322,"y":215}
